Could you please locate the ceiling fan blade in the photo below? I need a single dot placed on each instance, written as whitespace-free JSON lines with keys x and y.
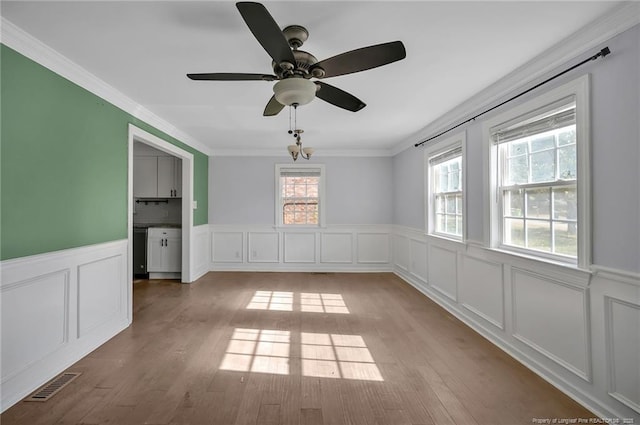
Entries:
{"x":273,"y":107}
{"x":339,"y":98}
{"x":266,"y":31}
{"x":229,"y":76}
{"x":362,"y":59}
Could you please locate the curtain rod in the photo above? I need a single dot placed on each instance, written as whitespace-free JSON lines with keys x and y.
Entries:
{"x":602,"y":53}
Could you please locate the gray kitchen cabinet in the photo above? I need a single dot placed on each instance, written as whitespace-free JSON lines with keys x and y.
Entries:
{"x":157,"y":177}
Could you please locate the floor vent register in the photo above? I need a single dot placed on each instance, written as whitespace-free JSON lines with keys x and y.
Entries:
{"x":52,"y":387}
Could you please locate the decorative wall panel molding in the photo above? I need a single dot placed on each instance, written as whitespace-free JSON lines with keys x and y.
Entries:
{"x":201,"y":250}
{"x":482,"y":289}
{"x":56,"y":308}
{"x":299,"y":247}
{"x":401,"y":252}
{"x":364,"y":248}
{"x":418,"y":255}
{"x":443,"y":271}
{"x":46,"y":314}
{"x":336,"y":248}
{"x":373,"y":248}
{"x":622,"y":329}
{"x":100,"y":293}
{"x":552,"y":318}
{"x":264,"y":247}
{"x":227,"y":247}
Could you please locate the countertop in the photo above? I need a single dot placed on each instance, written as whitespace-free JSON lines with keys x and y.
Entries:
{"x":164,"y":225}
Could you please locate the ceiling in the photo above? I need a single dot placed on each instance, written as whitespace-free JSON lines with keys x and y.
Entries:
{"x":454,"y":50}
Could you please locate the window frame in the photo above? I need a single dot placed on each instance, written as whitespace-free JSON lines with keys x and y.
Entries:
{"x":279,"y":213}
{"x":578,"y":90}
{"x":442,"y":147}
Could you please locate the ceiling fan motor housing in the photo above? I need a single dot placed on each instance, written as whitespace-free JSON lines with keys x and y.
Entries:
{"x":303,"y":66}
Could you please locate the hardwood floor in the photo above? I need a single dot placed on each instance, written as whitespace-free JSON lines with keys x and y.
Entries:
{"x":294,"y":348}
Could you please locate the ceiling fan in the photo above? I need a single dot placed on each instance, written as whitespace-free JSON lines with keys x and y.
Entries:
{"x":294,"y":68}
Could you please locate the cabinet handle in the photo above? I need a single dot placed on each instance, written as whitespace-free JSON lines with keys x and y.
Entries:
{"x":166,"y":242}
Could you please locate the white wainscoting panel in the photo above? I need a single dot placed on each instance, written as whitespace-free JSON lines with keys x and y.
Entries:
{"x":552,"y":317}
{"x":100,"y":294}
{"x":373,"y":248}
{"x":264,"y":247}
{"x":418,"y":256}
{"x":45,"y":315}
{"x":227,"y":247}
{"x":200,"y":251}
{"x":482,"y":289}
{"x":443,"y":275}
{"x":57,"y":308}
{"x":401,"y":252}
{"x":336,"y":248}
{"x":299,"y":247}
{"x":623,"y":341}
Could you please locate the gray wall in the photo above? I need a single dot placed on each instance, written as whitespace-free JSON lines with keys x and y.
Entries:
{"x":409,"y":189}
{"x":615,"y":159}
{"x":359,"y":189}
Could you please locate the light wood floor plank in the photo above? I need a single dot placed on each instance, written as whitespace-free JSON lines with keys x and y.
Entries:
{"x":324,"y":349}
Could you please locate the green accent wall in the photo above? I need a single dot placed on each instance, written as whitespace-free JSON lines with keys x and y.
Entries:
{"x":63,"y":163}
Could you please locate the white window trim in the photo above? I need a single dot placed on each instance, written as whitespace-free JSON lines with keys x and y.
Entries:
{"x":579,"y":89}
{"x":322,"y":198}
{"x":458,"y":140}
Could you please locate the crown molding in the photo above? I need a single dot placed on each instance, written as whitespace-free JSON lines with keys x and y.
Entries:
{"x":589,"y":37}
{"x":321,"y":153}
{"x":19,"y":40}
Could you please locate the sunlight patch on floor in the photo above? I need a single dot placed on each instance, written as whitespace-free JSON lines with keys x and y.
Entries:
{"x":337,"y":356}
{"x":258,"y":350}
{"x":271,"y":300}
{"x":309,"y":302}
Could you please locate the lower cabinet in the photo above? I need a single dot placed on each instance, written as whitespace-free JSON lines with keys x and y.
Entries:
{"x":164,"y":249}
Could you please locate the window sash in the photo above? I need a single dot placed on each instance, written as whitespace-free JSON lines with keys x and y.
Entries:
{"x":299,"y":210}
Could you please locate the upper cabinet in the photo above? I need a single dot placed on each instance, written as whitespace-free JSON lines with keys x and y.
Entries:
{"x":157,"y":177}
{"x":169,"y":177}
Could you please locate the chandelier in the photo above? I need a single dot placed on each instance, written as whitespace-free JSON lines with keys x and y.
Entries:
{"x":297,"y":150}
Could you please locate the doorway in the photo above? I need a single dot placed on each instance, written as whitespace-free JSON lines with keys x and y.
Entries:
{"x":137,"y":134}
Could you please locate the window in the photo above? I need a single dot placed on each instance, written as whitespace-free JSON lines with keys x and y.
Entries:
{"x":539,"y":180}
{"x":300,"y":194}
{"x":445,"y":175}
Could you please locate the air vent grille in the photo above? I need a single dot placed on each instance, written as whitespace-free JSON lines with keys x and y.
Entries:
{"x":52,"y":387}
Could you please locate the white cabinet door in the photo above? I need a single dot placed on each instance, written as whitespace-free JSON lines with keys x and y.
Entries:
{"x":166,"y":176}
{"x":178,"y":178}
{"x":173,"y":252}
{"x":164,"y":250}
{"x":145,"y":177}
{"x":155,"y":251}
{"x":169,"y":177}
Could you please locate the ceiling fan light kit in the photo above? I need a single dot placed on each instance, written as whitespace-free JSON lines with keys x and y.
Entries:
{"x":297,"y":149}
{"x":294,"y":68}
{"x":294,"y":91}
